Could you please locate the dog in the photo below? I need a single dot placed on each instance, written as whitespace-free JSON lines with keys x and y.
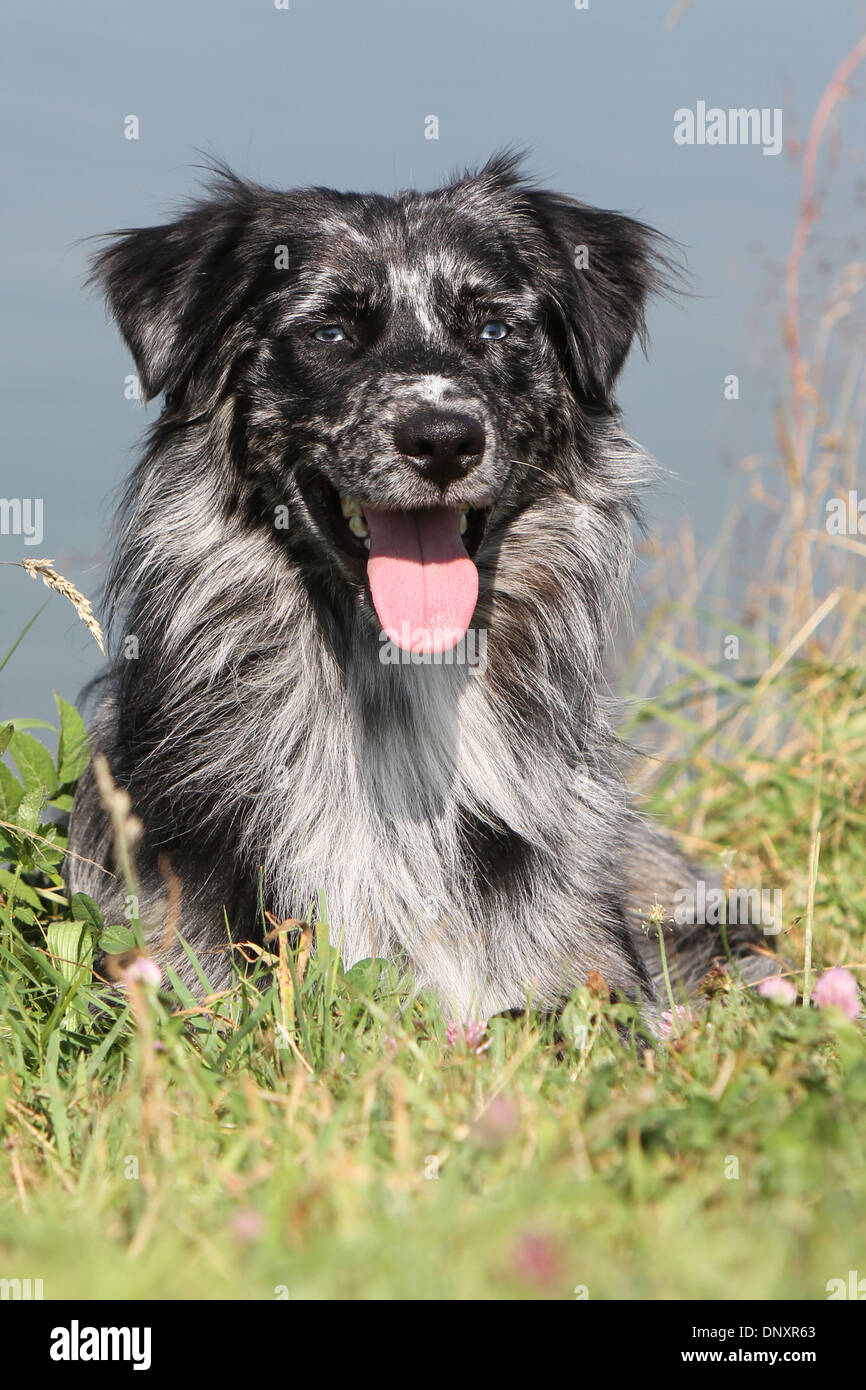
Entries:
{"x":368,"y":567}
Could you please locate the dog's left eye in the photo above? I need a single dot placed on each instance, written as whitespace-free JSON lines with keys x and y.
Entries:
{"x":332,"y":333}
{"x":493,"y":330}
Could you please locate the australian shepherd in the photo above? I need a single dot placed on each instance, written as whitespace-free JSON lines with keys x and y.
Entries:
{"x":368,"y":566}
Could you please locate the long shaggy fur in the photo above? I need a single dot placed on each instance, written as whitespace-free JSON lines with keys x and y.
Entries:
{"x":470,"y":821}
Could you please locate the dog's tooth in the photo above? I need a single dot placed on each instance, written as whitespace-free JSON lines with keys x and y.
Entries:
{"x":464,"y":523}
{"x":366,"y":542}
{"x":349,"y":507}
{"x":358,"y":526}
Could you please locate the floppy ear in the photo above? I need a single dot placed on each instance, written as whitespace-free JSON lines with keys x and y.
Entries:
{"x":604,"y":267}
{"x":172,"y":289}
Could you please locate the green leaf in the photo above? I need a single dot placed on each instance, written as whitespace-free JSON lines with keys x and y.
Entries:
{"x":56,"y":1099}
{"x":5,"y":735}
{"x":86,"y":910}
{"x":34,"y":762}
{"x":11,"y":793}
{"x":51,"y":854}
{"x":23,"y":634}
{"x":364,"y":975}
{"x":115,"y":941}
{"x":32,"y":724}
{"x":71,"y":945}
{"x":10,"y":884}
{"x":30,"y":806}
{"x":73,"y":748}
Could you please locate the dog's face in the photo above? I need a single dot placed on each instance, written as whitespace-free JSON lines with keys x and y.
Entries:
{"x":404,"y":373}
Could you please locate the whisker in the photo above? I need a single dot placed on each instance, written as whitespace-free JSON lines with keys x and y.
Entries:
{"x":521,"y":463}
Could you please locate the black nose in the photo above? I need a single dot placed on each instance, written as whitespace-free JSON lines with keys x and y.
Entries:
{"x":442,"y":444}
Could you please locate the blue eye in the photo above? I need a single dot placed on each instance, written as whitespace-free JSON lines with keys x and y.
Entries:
{"x":332,"y":334}
{"x":493,"y":330}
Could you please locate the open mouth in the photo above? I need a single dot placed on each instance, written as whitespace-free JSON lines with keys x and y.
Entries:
{"x":418,"y":563}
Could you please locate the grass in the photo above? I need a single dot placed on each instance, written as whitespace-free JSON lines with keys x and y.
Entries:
{"x":319,"y":1133}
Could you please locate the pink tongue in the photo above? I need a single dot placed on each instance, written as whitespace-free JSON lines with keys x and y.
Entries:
{"x":423,"y":583}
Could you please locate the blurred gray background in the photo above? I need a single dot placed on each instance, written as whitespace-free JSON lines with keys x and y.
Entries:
{"x":336,"y":92}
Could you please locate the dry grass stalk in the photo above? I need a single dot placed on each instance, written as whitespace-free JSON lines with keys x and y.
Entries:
{"x":44,"y":569}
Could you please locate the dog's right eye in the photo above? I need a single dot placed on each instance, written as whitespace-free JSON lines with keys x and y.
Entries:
{"x":493,"y":331}
{"x":331,"y":333}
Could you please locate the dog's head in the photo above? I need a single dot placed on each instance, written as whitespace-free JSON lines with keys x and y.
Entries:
{"x":404,"y":373}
